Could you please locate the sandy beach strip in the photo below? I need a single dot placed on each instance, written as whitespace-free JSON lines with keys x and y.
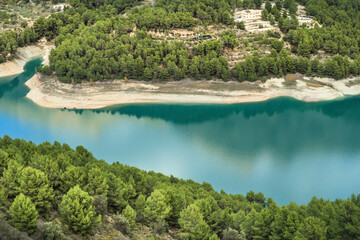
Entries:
{"x":50,"y":93}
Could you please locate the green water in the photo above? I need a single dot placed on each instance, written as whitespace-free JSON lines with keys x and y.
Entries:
{"x":287,"y":149}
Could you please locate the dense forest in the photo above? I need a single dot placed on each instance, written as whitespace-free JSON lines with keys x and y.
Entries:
{"x":95,"y":41}
{"x":51,"y":191}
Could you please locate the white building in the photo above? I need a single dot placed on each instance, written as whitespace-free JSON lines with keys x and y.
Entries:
{"x":305,"y":19}
{"x":247,"y":15}
{"x":61,"y":6}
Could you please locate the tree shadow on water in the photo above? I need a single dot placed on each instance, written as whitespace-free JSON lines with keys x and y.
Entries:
{"x":195,"y":113}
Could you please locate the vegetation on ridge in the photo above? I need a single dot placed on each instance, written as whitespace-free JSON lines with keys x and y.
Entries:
{"x":51,"y":191}
{"x":107,"y":46}
{"x":146,"y":62}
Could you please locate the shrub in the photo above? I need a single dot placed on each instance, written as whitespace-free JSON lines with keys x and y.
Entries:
{"x":10,"y":233}
{"x":23,"y":24}
{"x":122,"y":224}
{"x":231,"y":234}
{"x":100,"y":204}
{"x":160,"y":226}
{"x":49,"y":231}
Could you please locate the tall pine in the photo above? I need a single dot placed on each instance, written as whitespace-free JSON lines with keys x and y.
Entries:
{"x":23,"y":214}
{"x":78,"y":212}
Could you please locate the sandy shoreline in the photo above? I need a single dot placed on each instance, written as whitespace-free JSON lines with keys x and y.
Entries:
{"x":23,"y":55}
{"x":50,"y":93}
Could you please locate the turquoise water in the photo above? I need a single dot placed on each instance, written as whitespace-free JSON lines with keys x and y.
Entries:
{"x":287,"y":149}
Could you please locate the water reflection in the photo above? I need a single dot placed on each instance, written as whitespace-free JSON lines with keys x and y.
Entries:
{"x":189,"y":113}
{"x":8,"y":85}
{"x":287,"y":149}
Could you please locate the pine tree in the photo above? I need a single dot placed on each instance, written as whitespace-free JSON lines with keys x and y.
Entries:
{"x":258,"y":3}
{"x":71,"y":177}
{"x":338,"y":71}
{"x":264,"y":14}
{"x":4,"y":203}
{"x":147,"y":76}
{"x":247,"y":225}
{"x":268,"y":6}
{"x":312,"y":228}
{"x":291,"y":225}
{"x":23,"y":214}
{"x":302,"y":65}
{"x":262,"y":224}
{"x":276,"y":14}
{"x":116,"y":193}
{"x":240,"y":75}
{"x":164,"y":74}
{"x":97,"y":184}
{"x":278,"y":4}
{"x":130,"y":215}
{"x":209,"y":69}
{"x":11,"y":178}
{"x":220,"y":219}
{"x":226,"y":18}
{"x":192,"y":223}
{"x":272,"y":20}
{"x":156,"y":207}
{"x":293,"y":8}
{"x":250,"y":73}
{"x":77,"y":210}
{"x":240,"y":25}
{"x":304,"y":48}
{"x":4,"y":159}
{"x":40,"y":26}
{"x":178,"y":74}
{"x":214,"y":237}
{"x":207,"y":206}
{"x":47,"y":165}
{"x":283,"y":24}
{"x":277,"y":45}
{"x":140,"y":205}
{"x":178,"y":199}
{"x":35,"y":185}
{"x":130,"y":191}
{"x":139,"y":65}
{"x":194,"y":71}
{"x":236,"y":219}
{"x":285,"y":15}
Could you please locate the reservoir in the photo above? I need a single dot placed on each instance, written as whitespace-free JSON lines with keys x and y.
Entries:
{"x":287,"y":149}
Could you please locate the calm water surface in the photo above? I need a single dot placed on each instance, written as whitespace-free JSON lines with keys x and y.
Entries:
{"x":287,"y":149}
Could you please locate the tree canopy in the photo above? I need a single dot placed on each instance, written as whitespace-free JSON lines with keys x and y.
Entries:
{"x":148,"y":199}
{"x":95,"y":43}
